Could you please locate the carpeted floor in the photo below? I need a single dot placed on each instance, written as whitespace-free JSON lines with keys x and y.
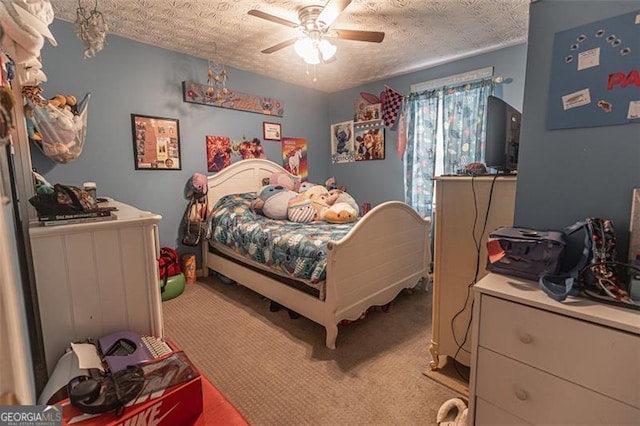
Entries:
{"x":277,"y":371}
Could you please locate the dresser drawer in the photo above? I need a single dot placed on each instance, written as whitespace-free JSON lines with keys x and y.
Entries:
{"x":538,"y":397}
{"x":597,"y":357}
{"x":490,"y":415}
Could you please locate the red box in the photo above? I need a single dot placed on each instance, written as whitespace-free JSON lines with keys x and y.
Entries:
{"x":168,"y":406}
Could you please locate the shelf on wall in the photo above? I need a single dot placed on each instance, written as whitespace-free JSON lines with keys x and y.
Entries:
{"x":368,"y":123}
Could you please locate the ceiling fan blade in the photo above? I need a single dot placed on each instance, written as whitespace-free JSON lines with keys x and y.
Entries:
{"x":372,"y":36}
{"x":281,"y":45}
{"x":272,"y":18}
{"x":331,"y":10}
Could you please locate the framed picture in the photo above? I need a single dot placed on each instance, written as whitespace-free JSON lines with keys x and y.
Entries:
{"x":369,"y":143}
{"x":156,"y":142}
{"x":342,"y":142}
{"x":271,"y":131}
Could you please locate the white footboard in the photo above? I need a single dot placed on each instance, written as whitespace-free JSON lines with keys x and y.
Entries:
{"x":385,"y":252}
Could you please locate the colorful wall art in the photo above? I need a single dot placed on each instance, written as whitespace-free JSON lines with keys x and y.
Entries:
{"x":294,"y":156}
{"x":227,"y":98}
{"x":342,"y":142}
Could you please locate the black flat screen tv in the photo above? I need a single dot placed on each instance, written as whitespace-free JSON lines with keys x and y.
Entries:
{"x":503,"y":136}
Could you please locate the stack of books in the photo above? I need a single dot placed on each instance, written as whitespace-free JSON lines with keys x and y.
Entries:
{"x":101,"y":214}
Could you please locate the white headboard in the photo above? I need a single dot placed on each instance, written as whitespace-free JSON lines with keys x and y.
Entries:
{"x":242,"y":176}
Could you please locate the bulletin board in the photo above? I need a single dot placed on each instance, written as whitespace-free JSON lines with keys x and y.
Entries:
{"x":156,"y":142}
{"x":595,"y":74}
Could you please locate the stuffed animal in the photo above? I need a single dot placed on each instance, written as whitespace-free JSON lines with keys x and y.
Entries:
{"x":303,"y":186}
{"x":343,"y":197}
{"x":282,"y":179}
{"x":273,"y":201}
{"x":301,"y":209}
{"x":321,"y":199}
{"x":197,"y":186}
{"x":340,"y":213}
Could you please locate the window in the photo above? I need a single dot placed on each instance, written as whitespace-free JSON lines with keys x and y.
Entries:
{"x":443,"y":131}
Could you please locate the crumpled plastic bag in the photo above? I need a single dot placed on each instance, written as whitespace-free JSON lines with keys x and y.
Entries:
{"x":63,"y":132}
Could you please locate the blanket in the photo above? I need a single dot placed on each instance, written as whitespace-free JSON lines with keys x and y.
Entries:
{"x":295,"y":250}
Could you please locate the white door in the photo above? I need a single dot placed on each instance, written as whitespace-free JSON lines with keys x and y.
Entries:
{"x":16,"y":374}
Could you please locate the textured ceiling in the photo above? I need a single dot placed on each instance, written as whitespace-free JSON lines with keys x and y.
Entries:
{"x":419,"y":33}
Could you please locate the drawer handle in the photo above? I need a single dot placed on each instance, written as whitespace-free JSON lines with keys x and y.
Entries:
{"x":526,"y":338}
{"x":522,"y":395}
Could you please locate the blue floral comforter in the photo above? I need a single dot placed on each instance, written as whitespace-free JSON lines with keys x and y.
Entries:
{"x":295,"y":250}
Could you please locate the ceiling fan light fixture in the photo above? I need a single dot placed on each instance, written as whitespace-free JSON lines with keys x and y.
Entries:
{"x":327,"y":49}
{"x":303,"y":46}
{"x":312,"y":57}
{"x":311,"y":49}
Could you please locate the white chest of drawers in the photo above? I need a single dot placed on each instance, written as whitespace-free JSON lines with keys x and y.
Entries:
{"x":538,"y":361}
{"x":97,"y":278}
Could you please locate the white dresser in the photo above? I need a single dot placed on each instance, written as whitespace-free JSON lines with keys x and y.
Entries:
{"x":538,"y":361}
{"x":96,"y":278}
{"x":467,"y":210}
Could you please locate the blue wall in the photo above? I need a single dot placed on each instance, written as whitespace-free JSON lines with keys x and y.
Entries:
{"x":129,"y":77}
{"x":567,"y":175}
{"x":383,"y":180}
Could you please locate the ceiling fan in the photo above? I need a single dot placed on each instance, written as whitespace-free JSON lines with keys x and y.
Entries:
{"x":315,"y":27}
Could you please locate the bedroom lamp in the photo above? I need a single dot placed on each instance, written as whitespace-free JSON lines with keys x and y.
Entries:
{"x":312,"y":46}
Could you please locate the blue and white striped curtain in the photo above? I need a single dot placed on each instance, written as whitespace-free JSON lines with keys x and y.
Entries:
{"x":420,"y":114}
{"x":464,"y":124}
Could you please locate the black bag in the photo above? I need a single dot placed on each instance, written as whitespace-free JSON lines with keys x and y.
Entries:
{"x":525,"y":253}
{"x":597,"y":275}
{"x":64,"y":200}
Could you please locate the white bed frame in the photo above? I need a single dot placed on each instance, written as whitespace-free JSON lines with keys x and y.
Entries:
{"x":385,"y":252}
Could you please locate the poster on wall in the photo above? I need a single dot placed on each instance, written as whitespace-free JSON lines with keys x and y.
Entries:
{"x":247,"y":149}
{"x":156,"y":142}
{"x":218,"y":153}
{"x":369,"y":142}
{"x":294,"y":156}
{"x":595,"y":74}
{"x":342,"y":142}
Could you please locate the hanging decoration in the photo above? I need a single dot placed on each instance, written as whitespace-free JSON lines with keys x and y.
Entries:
{"x":58,"y":128}
{"x":91,"y":29}
{"x":217,"y":78}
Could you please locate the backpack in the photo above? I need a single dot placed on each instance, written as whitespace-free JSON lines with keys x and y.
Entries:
{"x":169,"y":265}
{"x":597,"y":275}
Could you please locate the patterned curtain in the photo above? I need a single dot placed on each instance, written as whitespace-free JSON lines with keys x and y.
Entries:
{"x":420,"y":113}
{"x":464,"y":124}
